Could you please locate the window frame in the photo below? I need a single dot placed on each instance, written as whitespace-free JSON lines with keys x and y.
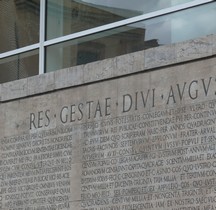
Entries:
{"x":43,"y":43}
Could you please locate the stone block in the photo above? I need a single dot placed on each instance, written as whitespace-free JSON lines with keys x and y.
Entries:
{"x":214,"y":44}
{"x":75,"y":75}
{"x":160,"y":56}
{"x":61,"y":78}
{"x":13,"y":90}
{"x":69,"y":77}
{"x":41,"y":83}
{"x":194,"y":49}
{"x":99,"y":70}
{"x":129,"y":63}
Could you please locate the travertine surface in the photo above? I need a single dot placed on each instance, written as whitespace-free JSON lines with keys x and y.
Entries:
{"x":142,"y":141}
{"x":15,"y":89}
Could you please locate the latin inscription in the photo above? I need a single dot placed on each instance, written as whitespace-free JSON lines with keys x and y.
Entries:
{"x":145,"y":149}
{"x":130,"y":102}
{"x":155,"y":160}
{"x":35,"y":170}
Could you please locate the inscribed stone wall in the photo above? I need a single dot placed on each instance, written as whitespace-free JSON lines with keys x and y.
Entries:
{"x":144,"y":141}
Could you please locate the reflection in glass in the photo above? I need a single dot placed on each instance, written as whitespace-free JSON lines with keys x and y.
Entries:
{"x":163,"y":30}
{"x":69,"y":16}
{"x":176,"y":2}
{"x":19,"y":66}
{"x":19,"y":23}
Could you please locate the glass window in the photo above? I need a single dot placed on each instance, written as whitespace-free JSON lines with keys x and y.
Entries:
{"x":194,"y":23}
{"x":176,"y":2}
{"x":19,"y":66}
{"x":19,"y":23}
{"x":69,"y":16}
{"x":163,"y":30}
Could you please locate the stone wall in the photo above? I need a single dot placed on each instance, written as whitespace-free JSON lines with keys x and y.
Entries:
{"x":129,"y":133}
